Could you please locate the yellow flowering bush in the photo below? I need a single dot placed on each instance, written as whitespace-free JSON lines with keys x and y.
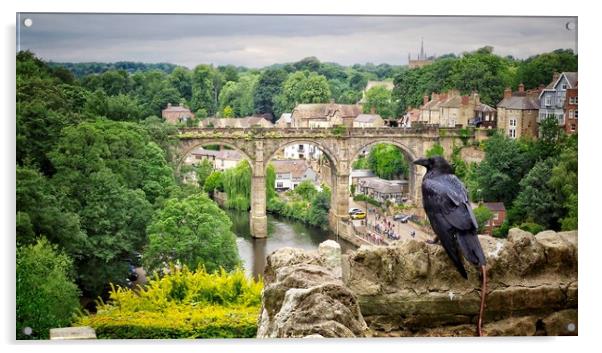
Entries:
{"x":182,"y":304}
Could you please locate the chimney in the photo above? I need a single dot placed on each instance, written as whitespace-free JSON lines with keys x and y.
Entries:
{"x":331,"y":100}
{"x":507,"y":93}
{"x":477,"y":98}
{"x":425,"y":100}
{"x":434,"y":96}
{"x":555,"y":76}
{"x":464,"y":100}
{"x":168,"y":105}
{"x":521,"y":87}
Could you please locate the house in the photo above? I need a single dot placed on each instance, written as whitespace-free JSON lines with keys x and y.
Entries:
{"x":358,"y":175}
{"x":302,"y":151}
{"x":517,"y":113}
{"x":324,"y":115}
{"x":484,"y":117}
{"x":552,"y":98}
{"x":571,"y":110}
{"x":383,"y":190}
{"x":222,"y":159}
{"x":284,"y":121}
{"x":411,"y":116}
{"x":430,"y":111}
{"x":368,"y":120}
{"x":291,"y":172}
{"x":240,"y":123}
{"x":449,"y":109}
{"x":499,"y":215}
{"x":176,"y":114}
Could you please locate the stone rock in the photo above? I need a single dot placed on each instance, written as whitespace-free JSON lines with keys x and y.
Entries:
{"x":330,"y":254}
{"x":513,"y":326}
{"x":303,"y":298}
{"x":562,"y":323}
{"x":412,"y":288}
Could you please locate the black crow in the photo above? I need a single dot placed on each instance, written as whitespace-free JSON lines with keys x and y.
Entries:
{"x":446,"y":204}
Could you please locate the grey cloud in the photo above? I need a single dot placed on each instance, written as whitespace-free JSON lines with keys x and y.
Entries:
{"x":257,"y":41}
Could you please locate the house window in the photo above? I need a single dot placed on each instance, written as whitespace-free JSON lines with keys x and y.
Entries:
{"x":496,"y":216}
{"x":548,"y":100}
{"x":279,"y":184}
{"x":564,"y":86}
{"x":573,"y":127}
{"x":575,"y":114}
{"x":576,"y":100}
{"x":512,"y":129}
{"x":571,"y":114}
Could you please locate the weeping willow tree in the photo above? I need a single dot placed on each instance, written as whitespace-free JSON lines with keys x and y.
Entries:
{"x":270,"y":182}
{"x":237,"y":185}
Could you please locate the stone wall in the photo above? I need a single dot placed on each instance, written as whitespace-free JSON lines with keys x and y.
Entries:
{"x":412,"y":289}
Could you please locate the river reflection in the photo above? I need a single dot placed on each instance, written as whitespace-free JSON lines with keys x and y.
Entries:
{"x":282,"y":233}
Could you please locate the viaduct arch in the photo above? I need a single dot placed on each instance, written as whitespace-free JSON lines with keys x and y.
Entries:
{"x":341,"y":147}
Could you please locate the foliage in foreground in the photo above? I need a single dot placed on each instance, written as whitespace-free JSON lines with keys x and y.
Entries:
{"x":182,"y":304}
{"x":193,"y":231}
{"x":47,"y":297}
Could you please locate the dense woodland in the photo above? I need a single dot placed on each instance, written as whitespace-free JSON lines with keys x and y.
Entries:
{"x":95,"y":175}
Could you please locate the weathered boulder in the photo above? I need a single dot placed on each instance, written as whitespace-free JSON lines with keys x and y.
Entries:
{"x":412,"y":288}
{"x":303,"y":297}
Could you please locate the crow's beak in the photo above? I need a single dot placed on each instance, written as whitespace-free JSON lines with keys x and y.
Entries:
{"x":422,"y":161}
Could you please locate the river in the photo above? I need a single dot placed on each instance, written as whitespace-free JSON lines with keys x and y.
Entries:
{"x":282,"y":232}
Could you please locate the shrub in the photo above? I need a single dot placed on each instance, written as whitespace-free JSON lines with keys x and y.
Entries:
{"x":182,"y":304}
{"x":46,"y":294}
{"x":370,"y":200}
{"x":531,"y":227}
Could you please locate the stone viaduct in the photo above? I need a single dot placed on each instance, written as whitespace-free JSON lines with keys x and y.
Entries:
{"x":340,"y":145}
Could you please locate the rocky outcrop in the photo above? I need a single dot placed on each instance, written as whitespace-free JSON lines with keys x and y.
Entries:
{"x":411,"y":288}
{"x":304,"y":296}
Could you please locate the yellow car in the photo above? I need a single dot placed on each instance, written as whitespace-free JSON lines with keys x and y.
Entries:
{"x":358,"y":215}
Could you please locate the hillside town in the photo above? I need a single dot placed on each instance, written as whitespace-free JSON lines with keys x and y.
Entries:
{"x":517,"y":115}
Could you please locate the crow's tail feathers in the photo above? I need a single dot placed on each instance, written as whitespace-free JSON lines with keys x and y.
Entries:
{"x":471,"y":248}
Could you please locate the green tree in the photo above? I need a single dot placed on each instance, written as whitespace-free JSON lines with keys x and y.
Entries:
{"x":436,"y":150}
{"x":111,"y":174}
{"x":46,"y":295}
{"x":318,"y":211}
{"x":193,"y":232}
{"x":268,"y":87}
{"x":270,"y":182}
{"x":539,"y":69}
{"x":378,"y":98}
{"x":237,"y":185}
{"x":214,"y":181}
{"x":202,"y":89}
{"x":506,"y":162}
{"x":537,"y":200}
{"x":482,"y":214}
{"x":564,"y":182}
{"x":203,"y":170}
{"x":302,"y":87}
{"x":306,"y":190}
{"x":387,"y":161}
{"x":181,"y":79}
{"x":41,"y":212}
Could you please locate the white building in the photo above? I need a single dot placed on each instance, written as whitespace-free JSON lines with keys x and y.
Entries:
{"x":222,"y":160}
{"x":289,"y":173}
{"x":302,"y":151}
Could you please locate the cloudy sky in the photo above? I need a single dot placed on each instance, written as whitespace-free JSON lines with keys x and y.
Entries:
{"x":257,"y":41}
